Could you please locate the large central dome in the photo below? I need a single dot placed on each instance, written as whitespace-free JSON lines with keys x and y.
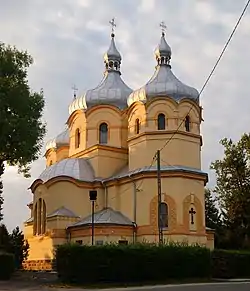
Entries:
{"x":112,"y":90}
{"x":164,"y":83}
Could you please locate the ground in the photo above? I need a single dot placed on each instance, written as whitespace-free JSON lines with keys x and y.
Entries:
{"x":42,"y":281}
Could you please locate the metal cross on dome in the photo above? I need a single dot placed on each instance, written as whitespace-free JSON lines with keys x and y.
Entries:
{"x":113,"y":24}
{"x":163,"y":27}
{"x":74,"y":88}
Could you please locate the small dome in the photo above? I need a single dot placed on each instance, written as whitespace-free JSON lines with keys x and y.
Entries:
{"x":163,"y":49}
{"x":79,"y":169}
{"x":112,"y":53}
{"x":111,"y":91}
{"x":62,"y":139}
{"x":77,"y":104}
{"x":163,"y":83}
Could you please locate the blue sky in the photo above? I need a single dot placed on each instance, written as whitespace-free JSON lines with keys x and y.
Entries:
{"x":68,"y":39}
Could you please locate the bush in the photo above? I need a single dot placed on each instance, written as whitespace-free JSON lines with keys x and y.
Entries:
{"x":230,"y":264}
{"x":7,"y":265}
{"x":131,"y":263}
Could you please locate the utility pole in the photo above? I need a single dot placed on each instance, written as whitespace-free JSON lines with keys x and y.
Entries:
{"x":158,"y":155}
{"x":92,"y":198}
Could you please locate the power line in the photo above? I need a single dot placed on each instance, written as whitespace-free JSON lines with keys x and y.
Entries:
{"x":207,"y":80}
{"x":204,"y":85}
{"x":213,"y":69}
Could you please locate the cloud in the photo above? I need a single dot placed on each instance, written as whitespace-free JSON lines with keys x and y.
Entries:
{"x":68,"y":39}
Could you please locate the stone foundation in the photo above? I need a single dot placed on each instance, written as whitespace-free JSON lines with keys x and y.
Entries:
{"x":38,"y":265}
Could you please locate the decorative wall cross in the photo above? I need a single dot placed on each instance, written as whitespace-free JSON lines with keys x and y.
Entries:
{"x":192,"y":212}
{"x":113,"y":24}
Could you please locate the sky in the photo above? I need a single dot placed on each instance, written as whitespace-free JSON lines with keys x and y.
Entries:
{"x":67,"y":39}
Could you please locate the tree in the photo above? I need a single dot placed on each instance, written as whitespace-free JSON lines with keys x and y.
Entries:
{"x":211,"y":211}
{"x":21,"y":127}
{"x":19,"y":247}
{"x":4,"y":238}
{"x":233,"y":188}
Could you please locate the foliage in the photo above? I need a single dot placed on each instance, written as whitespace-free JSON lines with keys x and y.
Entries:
{"x":230,"y":264}
{"x":233,"y":190}
{"x":19,"y":247}
{"x":21,"y":127}
{"x":4,"y":238}
{"x":211,"y":211}
{"x":15,"y":244}
{"x":1,"y":191}
{"x":131,"y":263}
{"x":6,"y":265}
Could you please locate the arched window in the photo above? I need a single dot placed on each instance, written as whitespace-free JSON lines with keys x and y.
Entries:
{"x":43,"y":216}
{"x":137,"y":126}
{"x":35,"y":220}
{"x":163,"y":215}
{"x":39,"y":216}
{"x":77,"y":138}
{"x":39,"y":226}
{"x":161,"y":121}
{"x":103,"y":133}
{"x":187,"y":123}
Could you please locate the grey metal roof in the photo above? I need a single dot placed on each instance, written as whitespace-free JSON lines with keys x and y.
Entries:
{"x":62,"y":211}
{"x":123,"y":173}
{"x":79,"y":169}
{"x":111,"y":91}
{"x":105,"y":216}
{"x":163,"y":83}
{"x":61,"y":139}
{"x":163,"y":49}
{"x":31,"y":219}
{"x":112,"y":53}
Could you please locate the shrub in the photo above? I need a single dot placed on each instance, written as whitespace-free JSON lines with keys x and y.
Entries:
{"x":230,"y":264}
{"x":131,"y":263}
{"x":7,"y":265}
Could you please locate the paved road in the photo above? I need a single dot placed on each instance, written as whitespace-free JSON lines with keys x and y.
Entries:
{"x":8,"y":286}
{"x":229,"y":286}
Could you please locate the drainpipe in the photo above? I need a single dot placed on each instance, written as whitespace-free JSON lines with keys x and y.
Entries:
{"x":105,"y":195}
{"x":134,"y":209}
{"x":68,"y":234}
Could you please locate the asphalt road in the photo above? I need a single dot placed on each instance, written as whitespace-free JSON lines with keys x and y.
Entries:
{"x":228,"y":286}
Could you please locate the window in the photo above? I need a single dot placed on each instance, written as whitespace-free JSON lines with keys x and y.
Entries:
{"x":99,"y":242}
{"x":163,"y":215}
{"x":187,"y":123}
{"x":137,"y":126}
{"x":161,"y":121}
{"x":103,"y":133}
{"x":39,"y":226}
{"x":77,"y":138}
{"x":79,"y":242}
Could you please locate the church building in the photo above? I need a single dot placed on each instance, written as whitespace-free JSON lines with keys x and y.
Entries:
{"x":109,"y":146}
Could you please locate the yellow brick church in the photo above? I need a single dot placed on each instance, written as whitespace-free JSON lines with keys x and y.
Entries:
{"x":109,"y":144}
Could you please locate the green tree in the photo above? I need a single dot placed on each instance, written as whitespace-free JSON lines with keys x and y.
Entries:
{"x":211,"y":210}
{"x":233,"y":189}
{"x":19,"y":247}
{"x":21,"y":126}
{"x":4,"y":238}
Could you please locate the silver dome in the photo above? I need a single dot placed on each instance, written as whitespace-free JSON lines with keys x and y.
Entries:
{"x":163,"y":83}
{"x":111,"y":91}
{"x":79,"y":169}
{"x":61,"y":139}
